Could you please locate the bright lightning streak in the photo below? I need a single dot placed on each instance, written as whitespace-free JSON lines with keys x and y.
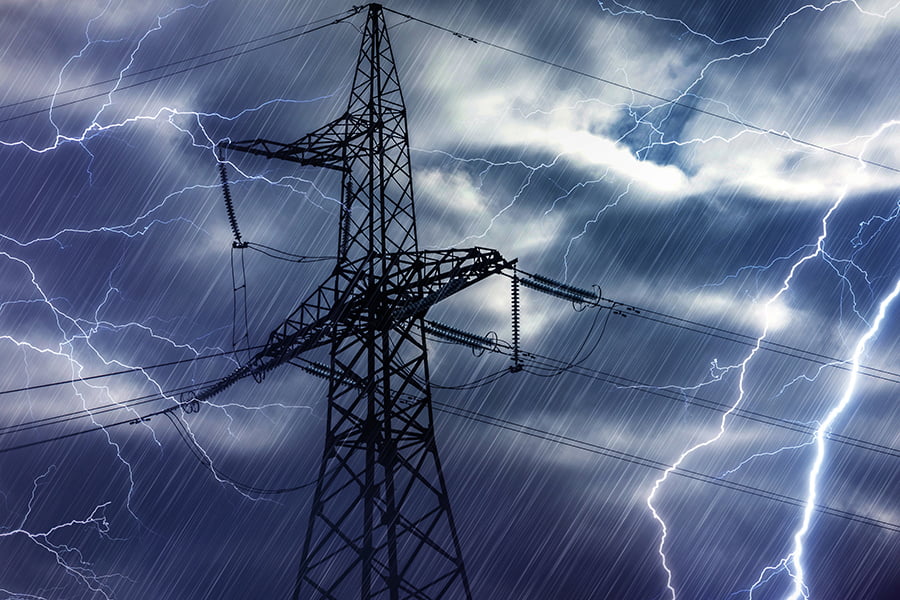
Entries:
{"x":753,"y":457}
{"x":584,"y":230}
{"x":633,"y":11}
{"x":796,"y":557}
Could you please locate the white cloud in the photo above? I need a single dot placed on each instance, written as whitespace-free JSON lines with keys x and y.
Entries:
{"x":494,"y":100}
{"x":457,"y":191}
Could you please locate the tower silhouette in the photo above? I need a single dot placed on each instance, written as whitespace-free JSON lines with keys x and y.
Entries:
{"x":381,"y":524}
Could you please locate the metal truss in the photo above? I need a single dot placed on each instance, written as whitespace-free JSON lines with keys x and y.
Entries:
{"x":381,"y":524}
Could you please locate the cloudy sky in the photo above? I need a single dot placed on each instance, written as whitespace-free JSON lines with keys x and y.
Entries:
{"x":763,"y":202}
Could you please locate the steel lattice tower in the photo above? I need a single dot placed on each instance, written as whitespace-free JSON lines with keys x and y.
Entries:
{"x":381,"y":524}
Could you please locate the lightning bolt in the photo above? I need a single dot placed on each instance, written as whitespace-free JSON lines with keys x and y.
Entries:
{"x":587,"y":224}
{"x":796,"y":557}
{"x":753,"y":457}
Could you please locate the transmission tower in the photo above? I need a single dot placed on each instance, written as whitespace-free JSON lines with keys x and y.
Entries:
{"x":381,"y":524}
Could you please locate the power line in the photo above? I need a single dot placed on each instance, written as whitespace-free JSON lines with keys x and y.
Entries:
{"x":502,"y":347}
{"x":559,"y":367}
{"x":192,"y":446}
{"x":287,"y":256}
{"x":66,"y":436}
{"x":131,"y":74}
{"x":39,"y":386}
{"x":517,"y":428}
{"x":654,"y":464}
{"x":784,"y":349}
{"x":629,"y":88}
{"x":737,"y":337}
{"x":556,"y":367}
{"x":720,"y":407}
{"x":102,"y":409}
{"x":482,"y":418}
{"x":470,"y":385}
{"x":775,"y":348}
{"x":335,"y":20}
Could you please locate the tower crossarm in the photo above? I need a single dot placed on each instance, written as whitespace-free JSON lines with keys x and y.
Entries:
{"x":430,"y":276}
{"x":421,"y":279}
{"x":325,"y":147}
{"x":315,"y":323}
